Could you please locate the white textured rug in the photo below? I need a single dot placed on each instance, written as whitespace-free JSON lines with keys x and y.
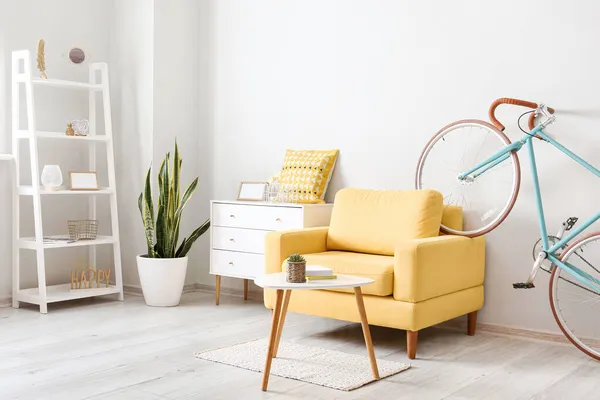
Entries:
{"x":329,"y":368}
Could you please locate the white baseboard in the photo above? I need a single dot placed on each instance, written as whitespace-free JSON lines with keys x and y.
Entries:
{"x":507,"y":331}
{"x":136,"y":290}
{"x":252,"y":294}
{"x":5,"y":301}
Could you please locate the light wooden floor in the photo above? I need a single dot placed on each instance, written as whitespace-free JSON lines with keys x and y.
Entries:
{"x":99,"y":349}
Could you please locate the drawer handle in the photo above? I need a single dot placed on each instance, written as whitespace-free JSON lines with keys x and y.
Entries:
{"x":231,"y":239}
{"x":230,"y":262}
{"x":278,"y":219}
{"x":231,"y":216}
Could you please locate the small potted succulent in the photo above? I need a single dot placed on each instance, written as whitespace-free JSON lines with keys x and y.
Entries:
{"x":296,"y":269}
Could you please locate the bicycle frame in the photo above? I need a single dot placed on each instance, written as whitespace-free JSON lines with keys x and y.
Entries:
{"x":503,"y":155}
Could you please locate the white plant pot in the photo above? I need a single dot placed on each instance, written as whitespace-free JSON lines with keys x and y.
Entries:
{"x":162,"y":280}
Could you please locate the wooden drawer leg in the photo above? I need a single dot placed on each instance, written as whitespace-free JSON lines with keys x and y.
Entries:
{"x":245,"y":289}
{"x":218,"y":289}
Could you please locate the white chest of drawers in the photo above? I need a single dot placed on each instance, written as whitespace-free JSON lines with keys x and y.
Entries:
{"x":238,"y":229}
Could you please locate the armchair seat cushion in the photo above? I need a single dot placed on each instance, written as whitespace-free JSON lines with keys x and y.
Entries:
{"x":376,"y":267}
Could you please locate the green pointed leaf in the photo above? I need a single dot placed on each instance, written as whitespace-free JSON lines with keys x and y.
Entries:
{"x":140,"y":206}
{"x":148,"y":215}
{"x":184,"y":249}
{"x":186,"y":197}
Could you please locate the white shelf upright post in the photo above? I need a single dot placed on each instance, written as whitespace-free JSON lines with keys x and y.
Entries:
{"x":43,"y":294}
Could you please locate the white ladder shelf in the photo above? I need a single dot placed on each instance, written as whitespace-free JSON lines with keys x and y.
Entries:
{"x":43,"y":294}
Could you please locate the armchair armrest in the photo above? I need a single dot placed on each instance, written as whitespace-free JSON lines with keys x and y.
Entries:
{"x":281,"y":244}
{"x":431,"y":267}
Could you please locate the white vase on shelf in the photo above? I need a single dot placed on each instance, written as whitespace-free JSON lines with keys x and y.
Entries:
{"x":52,"y":178}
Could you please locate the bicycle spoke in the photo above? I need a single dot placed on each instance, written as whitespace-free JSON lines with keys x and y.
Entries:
{"x":587,"y":262}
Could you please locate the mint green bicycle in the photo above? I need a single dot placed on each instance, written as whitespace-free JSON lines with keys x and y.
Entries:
{"x":476,"y":167}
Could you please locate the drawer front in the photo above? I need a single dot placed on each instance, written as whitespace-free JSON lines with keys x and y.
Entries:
{"x":230,"y":263}
{"x":257,"y":217}
{"x":236,"y":239}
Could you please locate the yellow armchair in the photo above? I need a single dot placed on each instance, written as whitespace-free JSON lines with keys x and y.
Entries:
{"x":422,"y":280}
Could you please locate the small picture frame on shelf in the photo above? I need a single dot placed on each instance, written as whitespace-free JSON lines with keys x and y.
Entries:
{"x":83,"y":180}
{"x":252,"y":191}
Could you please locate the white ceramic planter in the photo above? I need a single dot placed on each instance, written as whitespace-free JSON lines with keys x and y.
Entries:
{"x":162,"y":280}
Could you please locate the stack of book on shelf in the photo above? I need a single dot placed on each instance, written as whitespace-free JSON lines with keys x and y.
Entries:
{"x":318,"y":273}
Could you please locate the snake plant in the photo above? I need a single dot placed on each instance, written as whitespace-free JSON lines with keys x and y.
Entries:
{"x":162,"y":231}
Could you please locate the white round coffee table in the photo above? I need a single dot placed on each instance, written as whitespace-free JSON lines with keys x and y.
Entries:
{"x":277,"y":281}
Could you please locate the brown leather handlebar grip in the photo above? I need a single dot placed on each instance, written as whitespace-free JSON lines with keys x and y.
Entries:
{"x":532,"y":118}
{"x":507,"y":100}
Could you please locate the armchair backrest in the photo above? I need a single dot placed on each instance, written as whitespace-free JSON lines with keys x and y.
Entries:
{"x":375,"y":221}
{"x":452,"y":217}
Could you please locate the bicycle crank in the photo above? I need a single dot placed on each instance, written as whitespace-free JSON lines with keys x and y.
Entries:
{"x":536,"y":266}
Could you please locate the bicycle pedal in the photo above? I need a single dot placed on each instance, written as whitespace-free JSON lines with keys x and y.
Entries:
{"x":523,"y":285}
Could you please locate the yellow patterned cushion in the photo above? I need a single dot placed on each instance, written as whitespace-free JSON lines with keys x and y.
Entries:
{"x":309,"y":171}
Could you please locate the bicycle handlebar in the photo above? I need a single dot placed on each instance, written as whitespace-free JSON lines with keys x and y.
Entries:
{"x":515,"y":102}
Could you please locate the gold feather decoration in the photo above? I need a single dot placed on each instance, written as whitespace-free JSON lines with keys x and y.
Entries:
{"x":41,"y":61}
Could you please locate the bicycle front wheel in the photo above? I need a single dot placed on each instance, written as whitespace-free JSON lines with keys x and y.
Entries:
{"x":576,"y":306}
{"x":486,"y":198}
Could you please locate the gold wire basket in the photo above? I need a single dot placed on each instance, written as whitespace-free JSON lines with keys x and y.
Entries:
{"x":83,"y":229}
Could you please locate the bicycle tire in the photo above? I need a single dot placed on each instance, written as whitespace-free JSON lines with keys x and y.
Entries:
{"x":510,"y":202}
{"x":554,"y":305}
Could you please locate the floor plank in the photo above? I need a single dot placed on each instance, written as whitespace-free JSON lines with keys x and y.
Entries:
{"x":102,"y":349}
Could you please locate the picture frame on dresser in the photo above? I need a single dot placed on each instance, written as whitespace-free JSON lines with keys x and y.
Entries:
{"x":252,"y":191}
{"x":238,"y":230}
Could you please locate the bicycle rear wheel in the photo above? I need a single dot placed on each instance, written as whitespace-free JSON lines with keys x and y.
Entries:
{"x":486,"y":199}
{"x":574,"y":305}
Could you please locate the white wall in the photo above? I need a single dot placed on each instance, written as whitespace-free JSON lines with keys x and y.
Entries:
{"x":63,"y":24}
{"x":180,"y":28}
{"x":132,"y":85}
{"x":377,"y":78}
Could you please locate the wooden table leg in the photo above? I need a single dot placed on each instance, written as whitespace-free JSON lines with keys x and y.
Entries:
{"x":272,"y":337}
{"x":245,"y":289}
{"x":286,"y":301}
{"x":218,"y":289}
{"x":366,"y":331}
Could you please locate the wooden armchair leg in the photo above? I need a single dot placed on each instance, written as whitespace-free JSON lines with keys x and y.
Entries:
{"x":411,"y":343}
{"x":471,"y":323}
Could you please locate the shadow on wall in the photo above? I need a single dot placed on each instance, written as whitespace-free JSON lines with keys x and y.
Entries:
{"x":5,"y":235}
{"x":337,"y":181}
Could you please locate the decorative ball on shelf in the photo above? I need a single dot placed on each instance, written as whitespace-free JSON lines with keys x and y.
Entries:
{"x":76,"y":55}
{"x":52,"y":177}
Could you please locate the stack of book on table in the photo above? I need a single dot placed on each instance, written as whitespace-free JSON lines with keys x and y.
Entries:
{"x":319,"y":273}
